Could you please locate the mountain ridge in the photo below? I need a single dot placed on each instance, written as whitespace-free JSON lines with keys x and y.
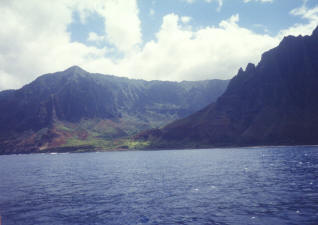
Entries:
{"x":74,"y":107}
{"x":273,"y":103}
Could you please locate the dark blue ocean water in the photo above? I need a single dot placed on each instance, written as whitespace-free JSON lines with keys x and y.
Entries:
{"x":218,"y":186}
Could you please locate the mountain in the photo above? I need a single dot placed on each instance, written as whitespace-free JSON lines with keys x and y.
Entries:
{"x":74,"y":108}
{"x":273,"y":103}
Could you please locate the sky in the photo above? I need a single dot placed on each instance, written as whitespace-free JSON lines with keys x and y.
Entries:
{"x":144,"y":39}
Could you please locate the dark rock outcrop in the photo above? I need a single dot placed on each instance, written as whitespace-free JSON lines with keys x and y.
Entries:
{"x":274,"y":103}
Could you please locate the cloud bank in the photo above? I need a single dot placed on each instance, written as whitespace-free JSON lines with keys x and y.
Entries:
{"x":34,"y":40}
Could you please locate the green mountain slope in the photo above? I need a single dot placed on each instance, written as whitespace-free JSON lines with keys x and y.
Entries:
{"x":74,"y":108}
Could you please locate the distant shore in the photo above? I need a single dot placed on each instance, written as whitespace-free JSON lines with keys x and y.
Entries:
{"x":86,"y":149}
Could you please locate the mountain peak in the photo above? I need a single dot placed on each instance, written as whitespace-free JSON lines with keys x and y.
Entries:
{"x":250,"y":68}
{"x":75,"y":68}
{"x":241,"y":71}
{"x":315,"y":32}
{"x":288,"y":39}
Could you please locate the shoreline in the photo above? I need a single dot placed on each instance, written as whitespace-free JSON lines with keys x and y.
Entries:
{"x":52,"y":152}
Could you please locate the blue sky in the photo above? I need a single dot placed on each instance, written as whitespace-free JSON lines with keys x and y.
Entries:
{"x":267,"y":17}
{"x":144,"y":39}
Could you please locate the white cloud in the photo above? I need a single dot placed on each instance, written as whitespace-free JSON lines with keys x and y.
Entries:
{"x":30,"y":46}
{"x":310,"y":15}
{"x":185,"y":19}
{"x":220,"y":3}
{"x":122,"y":24}
{"x":246,"y":1}
{"x":180,"y":53}
{"x":8,"y":80}
{"x":93,"y":37}
{"x":123,"y":27}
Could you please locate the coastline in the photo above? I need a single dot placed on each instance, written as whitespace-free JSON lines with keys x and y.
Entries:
{"x":86,"y":149}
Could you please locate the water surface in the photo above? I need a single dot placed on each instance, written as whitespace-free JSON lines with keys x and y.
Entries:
{"x":273,"y":185}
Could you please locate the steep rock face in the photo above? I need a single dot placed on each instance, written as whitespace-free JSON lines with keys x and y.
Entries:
{"x":29,"y":115}
{"x":273,"y":103}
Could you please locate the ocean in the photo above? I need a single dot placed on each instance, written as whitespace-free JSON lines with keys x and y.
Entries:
{"x":261,"y":185}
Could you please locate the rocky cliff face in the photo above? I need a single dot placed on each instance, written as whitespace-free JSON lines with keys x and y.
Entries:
{"x":273,"y":103}
{"x":43,"y":113}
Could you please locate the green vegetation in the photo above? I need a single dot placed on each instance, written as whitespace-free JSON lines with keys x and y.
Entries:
{"x":101,"y":144}
{"x":97,"y":134}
